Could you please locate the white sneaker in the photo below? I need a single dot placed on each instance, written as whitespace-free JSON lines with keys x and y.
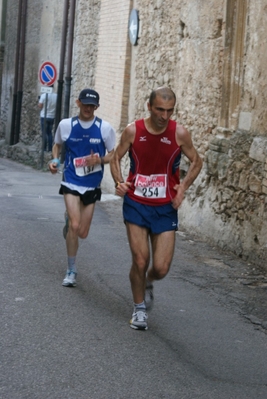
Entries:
{"x":139,"y":320}
{"x":70,"y":280}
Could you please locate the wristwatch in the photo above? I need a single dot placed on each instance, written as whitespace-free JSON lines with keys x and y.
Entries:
{"x":118,"y":183}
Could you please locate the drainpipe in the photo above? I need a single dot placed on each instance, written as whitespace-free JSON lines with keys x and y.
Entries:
{"x":68,"y":71}
{"x":2,"y":40}
{"x":69,"y":60}
{"x":21,"y":71}
{"x":15,"y":88}
{"x":61,"y":66}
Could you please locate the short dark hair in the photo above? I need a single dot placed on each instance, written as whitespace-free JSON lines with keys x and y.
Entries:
{"x":165,"y":92}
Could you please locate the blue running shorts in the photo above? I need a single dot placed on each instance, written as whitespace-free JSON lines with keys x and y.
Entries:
{"x":156,"y":219}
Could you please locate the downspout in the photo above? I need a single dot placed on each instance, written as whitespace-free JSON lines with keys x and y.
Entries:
{"x":68,"y":71}
{"x":15,"y":88}
{"x":69,"y":60}
{"x":21,"y":71}
{"x":2,"y":41}
{"x":62,"y":62}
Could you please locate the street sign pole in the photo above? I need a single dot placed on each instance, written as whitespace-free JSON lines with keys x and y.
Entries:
{"x":44,"y":132}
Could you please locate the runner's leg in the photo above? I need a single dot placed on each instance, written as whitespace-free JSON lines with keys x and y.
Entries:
{"x":72,"y":203}
{"x":139,"y":244}
{"x":86,"y":212}
{"x":162,"y":254}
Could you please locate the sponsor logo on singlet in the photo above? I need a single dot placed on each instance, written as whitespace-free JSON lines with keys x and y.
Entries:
{"x":95,"y":141}
{"x":165,"y":140}
{"x":142,"y":138}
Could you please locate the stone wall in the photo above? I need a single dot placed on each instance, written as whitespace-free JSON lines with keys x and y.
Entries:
{"x":101,"y":56}
{"x":8,"y":67}
{"x":212,"y":54}
{"x":102,"y":60}
{"x":254,"y":96}
{"x":85,"y":48}
{"x":43,"y":38}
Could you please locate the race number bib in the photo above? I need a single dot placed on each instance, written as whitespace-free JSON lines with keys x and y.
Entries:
{"x":153,"y":186}
{"x":82,"y":170}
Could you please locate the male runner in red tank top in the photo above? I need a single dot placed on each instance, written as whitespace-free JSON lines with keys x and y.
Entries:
{"x":152,"y":194}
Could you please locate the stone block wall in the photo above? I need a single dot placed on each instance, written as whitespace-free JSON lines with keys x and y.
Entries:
{"x":42,"y":43}
{"x":85,"y":49}
{"x":206,"y":52}
{"x":43,"y":40}
{"x":8,"y":67}
{"x":212,"y":54}
{"x":102,"y":60}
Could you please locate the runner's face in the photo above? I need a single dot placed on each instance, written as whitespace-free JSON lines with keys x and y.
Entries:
{"x":160,"y":112}
{"x":86,"y":111}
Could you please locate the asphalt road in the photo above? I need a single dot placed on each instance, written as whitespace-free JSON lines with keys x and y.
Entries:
{"x":207,"y":331}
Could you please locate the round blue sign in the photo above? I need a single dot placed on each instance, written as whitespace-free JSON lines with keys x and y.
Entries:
{"x":47,"y":74}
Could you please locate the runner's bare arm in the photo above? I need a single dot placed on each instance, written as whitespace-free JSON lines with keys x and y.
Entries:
{"x":107,"y":157}
{"x":184,"y":140}
{"x":94,"y":159}
{"x":56,"y":150}
{"x":125,"y":142}
{"x":127,"y":138}
{"x":53,"y":166}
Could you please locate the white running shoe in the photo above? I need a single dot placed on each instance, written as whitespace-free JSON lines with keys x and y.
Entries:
{"x":139,"y":320}
{"x":70,"y":279}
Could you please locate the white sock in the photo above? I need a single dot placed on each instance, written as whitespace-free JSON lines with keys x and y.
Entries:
{"x":71,"y":264}
{"x":139,"y":306}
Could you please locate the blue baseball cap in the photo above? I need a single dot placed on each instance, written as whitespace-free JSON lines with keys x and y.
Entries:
{"x":89,"y":96}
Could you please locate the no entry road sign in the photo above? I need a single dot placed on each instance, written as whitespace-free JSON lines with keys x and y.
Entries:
{"x":47,"y":73}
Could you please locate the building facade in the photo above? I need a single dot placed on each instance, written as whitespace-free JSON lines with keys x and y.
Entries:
{"x":211,"y":53}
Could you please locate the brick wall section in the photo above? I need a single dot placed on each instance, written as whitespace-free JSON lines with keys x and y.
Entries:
{"x":112,"y":70}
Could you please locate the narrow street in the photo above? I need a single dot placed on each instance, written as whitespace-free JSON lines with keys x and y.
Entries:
{"x":207,"y":332}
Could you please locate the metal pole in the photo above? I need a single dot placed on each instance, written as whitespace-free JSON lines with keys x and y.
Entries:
{"x":69,"y":60}
{"x":15,"y":88}
{"x":21,"y":71}
{"x":44,"y":132}
{"x":61,"y":66}
{"x":69,"y":69}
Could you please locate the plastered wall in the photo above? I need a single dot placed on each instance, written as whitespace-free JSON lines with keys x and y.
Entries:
{"x":212,"y":54}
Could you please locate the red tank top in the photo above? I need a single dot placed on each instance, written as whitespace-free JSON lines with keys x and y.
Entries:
{"x":154,"y":167}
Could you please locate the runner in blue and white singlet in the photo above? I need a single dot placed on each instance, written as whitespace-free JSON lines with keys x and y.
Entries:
{"x":89,"y":144}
